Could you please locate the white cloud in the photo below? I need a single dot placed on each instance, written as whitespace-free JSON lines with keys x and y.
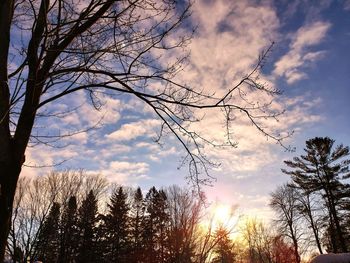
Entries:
{"x":310,"y":35}
{"x":127,"y":172}
{"x":134,"y":130}
{"x":129,"y":167}
{"x":291,"y":64}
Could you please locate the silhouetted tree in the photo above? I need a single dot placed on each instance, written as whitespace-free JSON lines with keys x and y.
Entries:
{"x":310,"y":209}
{"x":88,"y":248}
{"x":34,"y":198}
{"x":69,"y":232}
{"x":284,"y":202}
{"x":47,"y":246}
{"x":321,"y":169}
{"x":118,"y":243}
{"x":137,"y":212}
{"x":185,"y":211}
{"x":155,"y":226}
{"x":224,"y":249}
{"x":258,"y":239}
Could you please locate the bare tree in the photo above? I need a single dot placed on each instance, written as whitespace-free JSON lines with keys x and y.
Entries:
{"x":31,"y":206}
{"x":284,"y":202}
{"x":258,"y":239}
{"x":57,"y":48}
{"x":309,"y":205}
{"x":33,"y":201}
{"x":185,"y":212}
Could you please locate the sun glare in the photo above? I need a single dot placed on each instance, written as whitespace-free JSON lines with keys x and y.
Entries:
{"x":222,"y":213}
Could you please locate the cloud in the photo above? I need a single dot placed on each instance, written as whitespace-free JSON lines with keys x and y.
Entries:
{"x":122,"y":171}
{"x":290,"y":65}
{"x":137,"y":168}
{"x":310,"y":35}
{"x":133,"y":130}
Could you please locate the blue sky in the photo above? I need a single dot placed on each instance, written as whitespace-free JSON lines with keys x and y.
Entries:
{"x":310,"y":62}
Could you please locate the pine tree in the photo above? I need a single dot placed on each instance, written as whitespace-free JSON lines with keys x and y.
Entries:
{"x":69,"y":232}
{"x":321,"y":169}
{"x":155,"y":226}
{"x":117,"y":227}
{"x":137,"y":216}
{"x":88,"y":248}
{"x":47,"y":247}
{"x":149,"y":228}
{"x":224,"y":248}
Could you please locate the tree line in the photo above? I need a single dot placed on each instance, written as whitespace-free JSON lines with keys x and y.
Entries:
{"x":74,"y":217}
{"x":313,"y":209}
{"x":71,"y":216}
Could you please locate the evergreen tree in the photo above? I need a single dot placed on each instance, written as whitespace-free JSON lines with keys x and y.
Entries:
{"x":155,"y":226}
{"x":137,"y":216}
{"x":224,"y":248}
{"x":88,"y":248}
{"x":321,"y":169}
{"x":117,"y":227}
{"x":47,"y":247}
{"x":69,"y":232}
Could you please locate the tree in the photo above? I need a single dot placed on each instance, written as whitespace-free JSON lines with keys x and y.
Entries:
{"x":87,"y":247}
{"x":321,"y":170}
{"x":155,"y":226}
{"x":69,"y":232}
{"x":118,"y":228}
{"x":137,"y":212}
{"x":34,"y":199}
{"x":33,"y":202}
{"x":284,"y":203}
{"x":99,"y":46}
{"x":281,"y":250}
{"x":224,"y":249}
{"x":309,"y":208}
{"x":185,"y":211}
{"x":48,"y":243}
{"x":258,"y":240}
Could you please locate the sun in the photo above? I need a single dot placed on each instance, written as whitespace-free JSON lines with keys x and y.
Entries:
{"x":222,"y":213}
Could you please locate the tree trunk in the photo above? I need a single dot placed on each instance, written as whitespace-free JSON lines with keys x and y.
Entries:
{"x":334,"y":215}
{"x":9,"y":178}
{"x":317,"y":239}
{"x":8,"y":173}
{"x":338,"y":228}
{"x":295,"y":244}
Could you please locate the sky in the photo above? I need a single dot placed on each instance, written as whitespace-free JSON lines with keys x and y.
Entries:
{"x":309,"y":62}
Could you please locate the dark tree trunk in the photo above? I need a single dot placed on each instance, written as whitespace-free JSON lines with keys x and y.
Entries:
{"x":9,"y":177}
{"x":338,"y":227}
{"x":307,"y":206}
{"x":317,"y":239}
{"x":8,"y":170}
{"x":295,"y":244}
